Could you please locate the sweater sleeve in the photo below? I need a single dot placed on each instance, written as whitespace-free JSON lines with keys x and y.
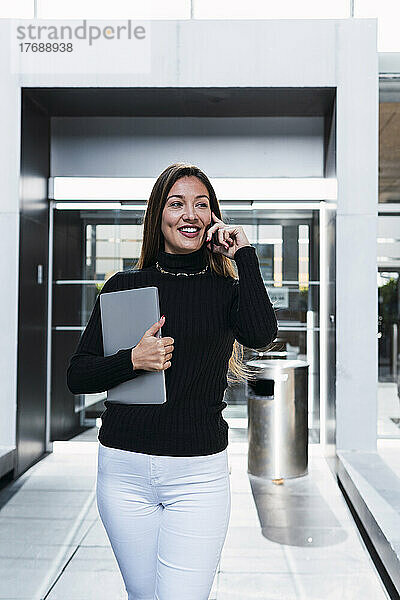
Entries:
{"x":252,"y":316}
{"x":89,"y":371}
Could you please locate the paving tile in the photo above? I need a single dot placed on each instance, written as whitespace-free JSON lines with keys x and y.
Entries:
{"x":23,"y":578}
{"x":249,"y":586}
{"x":58,"y":498}
{"x":93,"y":558}
{"x":271,"y":562}
{"x":41,"y":531}
{"x":49,"y":511}
{"x":317,"y":586}
{"x":90,"y":585}
{"x":33,"y":550}
{"x":96,"y":536}
{"x":340,"y":559}
{"x":60,"y":483}
{"x":33,"y":571}
{"x":248,"y":542}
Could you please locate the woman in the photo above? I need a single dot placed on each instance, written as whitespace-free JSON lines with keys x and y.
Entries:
{"x":163,"y":488}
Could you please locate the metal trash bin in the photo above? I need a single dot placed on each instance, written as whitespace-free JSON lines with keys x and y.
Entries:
{"x":278,"y":419}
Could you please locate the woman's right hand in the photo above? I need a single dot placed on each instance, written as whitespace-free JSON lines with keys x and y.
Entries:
{"x":152,"y":353}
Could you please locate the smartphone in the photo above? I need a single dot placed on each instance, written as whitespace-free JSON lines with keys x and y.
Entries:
{"x":214,"y":237}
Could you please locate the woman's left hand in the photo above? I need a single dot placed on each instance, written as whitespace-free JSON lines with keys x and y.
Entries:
{"x":228,"y":238}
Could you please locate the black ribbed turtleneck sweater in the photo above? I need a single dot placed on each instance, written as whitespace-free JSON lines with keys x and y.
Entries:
{"x":204,"y":313}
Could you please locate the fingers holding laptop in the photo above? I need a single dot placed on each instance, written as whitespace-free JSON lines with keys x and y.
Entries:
{"x":153,"y":353}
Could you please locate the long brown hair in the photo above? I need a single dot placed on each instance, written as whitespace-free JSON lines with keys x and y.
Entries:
{"x":153,"y":242}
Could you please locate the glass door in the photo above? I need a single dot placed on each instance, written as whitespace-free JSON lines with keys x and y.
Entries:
{"x":388,"y":260}
{"x":91,"y":245}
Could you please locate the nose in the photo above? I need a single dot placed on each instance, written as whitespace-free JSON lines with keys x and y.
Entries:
{"x":191,"y":215}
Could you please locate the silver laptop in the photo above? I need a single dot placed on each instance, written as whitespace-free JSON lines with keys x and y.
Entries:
{"x":125,"y":316}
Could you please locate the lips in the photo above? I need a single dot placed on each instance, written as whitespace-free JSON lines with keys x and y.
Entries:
{"x":189,"y":234}
{"x":191,"y":226}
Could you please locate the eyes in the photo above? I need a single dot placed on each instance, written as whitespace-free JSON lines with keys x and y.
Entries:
{"x":205,"y":204}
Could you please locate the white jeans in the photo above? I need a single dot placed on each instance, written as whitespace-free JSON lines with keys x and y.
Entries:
{"x":166,"y":518}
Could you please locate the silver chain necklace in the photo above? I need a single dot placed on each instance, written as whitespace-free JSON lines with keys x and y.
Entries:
{"x":187,"y":274}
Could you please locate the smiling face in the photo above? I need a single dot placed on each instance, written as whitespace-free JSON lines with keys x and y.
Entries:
{"x":187,"y":205}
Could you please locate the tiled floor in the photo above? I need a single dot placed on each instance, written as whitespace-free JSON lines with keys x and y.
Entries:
{"x":294,"y":541}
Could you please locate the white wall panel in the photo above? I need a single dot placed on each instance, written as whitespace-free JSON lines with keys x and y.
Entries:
{"x":117,"y":9}
{"x":223,"y":147}
{"x":271,"y":9}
